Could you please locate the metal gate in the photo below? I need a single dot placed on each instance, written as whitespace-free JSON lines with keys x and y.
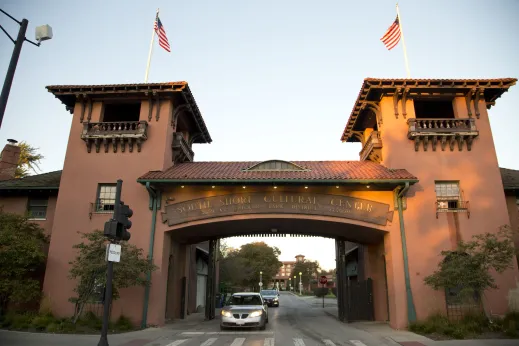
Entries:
{"x":210,"y":303}
{"x":354,"y":298}
{"x":360,"y":301}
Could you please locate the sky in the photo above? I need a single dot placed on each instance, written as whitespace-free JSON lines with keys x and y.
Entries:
{"x":273,"y":79}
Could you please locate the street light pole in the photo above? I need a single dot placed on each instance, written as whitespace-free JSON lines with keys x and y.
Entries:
{"x":261,"y":280}
{"x":295,"y":282}
{"x":300,"y":283}
{"x":16,"y":54}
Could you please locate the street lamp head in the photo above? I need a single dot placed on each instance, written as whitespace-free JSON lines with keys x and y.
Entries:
{"x":261,"y":272}
{"x":300,"y":273}
{"x":43,"y":33}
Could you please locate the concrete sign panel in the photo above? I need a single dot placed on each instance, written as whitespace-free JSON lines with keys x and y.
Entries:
{"x":277,"y":203}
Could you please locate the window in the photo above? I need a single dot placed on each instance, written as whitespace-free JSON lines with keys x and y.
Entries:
{"x":105,"y":201}
{"x":433,"y":109}
{"x":37,"y":208}
{"x":114,"y":112}
{"x":447,"y":194}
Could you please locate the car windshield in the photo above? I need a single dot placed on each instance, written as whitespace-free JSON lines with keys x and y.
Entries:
{"x":245,"y":300}
{"x":268,"y":293}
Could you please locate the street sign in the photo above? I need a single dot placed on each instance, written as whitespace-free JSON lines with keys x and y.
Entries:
{"x":260,"y":284}
{"x":323,"y":280}
{"x":113,"y":253}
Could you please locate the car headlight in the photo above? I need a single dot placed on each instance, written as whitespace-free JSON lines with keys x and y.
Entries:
{"x":226,"y":313}
{"x":256,"y":313}
{"x":276,"y":299}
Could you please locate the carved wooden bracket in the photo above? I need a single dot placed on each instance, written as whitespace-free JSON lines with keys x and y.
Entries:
{"x":396,"y":97}
{"x":90,"y":106}
{"x":404,"y":99}
{"x":468,"y":98}
{"x":480,"y":94}
{"x":157,"y":102}
{"x":375,"y":108}
{"x":176,"y":114}
{"x":150,"y":106}
{"x":83,"y":100}
{"x":359,"y":135}
{"x":193,"y":138}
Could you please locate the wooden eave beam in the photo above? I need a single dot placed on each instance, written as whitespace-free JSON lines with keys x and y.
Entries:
{"x":414,"y":87}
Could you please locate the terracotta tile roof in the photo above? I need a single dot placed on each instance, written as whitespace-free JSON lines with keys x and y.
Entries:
{"x":131,"y":85}
{"x":49,"y":180}
{"x":373,"y":87}
{"x":510,"y":178}
{"x":314,"y":171}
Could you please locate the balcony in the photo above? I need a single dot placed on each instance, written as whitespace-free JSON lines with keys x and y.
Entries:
{"x":120,"y":133}
{"x":458,"y":206}
{"x":445,"y":131}
{"x":372,"y":149}
{"x":181,"y":149}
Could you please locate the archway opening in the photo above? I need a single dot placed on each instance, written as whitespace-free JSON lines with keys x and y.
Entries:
{"x":358,"y":273}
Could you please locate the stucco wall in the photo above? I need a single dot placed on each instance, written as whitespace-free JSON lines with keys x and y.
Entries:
{"x":481,"y":183}
{"x":82,"y":172}
{"x":18,"y":205}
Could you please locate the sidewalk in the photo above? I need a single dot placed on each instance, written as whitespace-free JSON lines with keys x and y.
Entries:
{"x":380,"y":329}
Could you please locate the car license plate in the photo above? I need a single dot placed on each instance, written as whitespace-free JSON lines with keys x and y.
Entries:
{"x":240,"y":322}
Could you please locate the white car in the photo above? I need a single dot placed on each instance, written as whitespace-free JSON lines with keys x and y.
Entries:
{"x":245,"y":310}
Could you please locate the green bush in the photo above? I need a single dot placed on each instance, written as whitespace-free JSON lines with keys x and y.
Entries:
{"x":22,"y":321}
{"x":469,"y":326}
{"x":41,"y":322}
{"x":321,"y":291}
{"x":90,"y":320}
{"x":124,"y":324}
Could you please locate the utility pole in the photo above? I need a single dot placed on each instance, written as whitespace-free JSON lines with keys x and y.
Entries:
{"x":43,"y":32}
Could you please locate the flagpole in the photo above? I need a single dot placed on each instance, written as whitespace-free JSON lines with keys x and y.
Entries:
{"x":151,"y":49}
{"x":403,"y":42}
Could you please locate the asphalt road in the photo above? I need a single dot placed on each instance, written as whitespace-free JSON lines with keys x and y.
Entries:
{"x":297,"y":322}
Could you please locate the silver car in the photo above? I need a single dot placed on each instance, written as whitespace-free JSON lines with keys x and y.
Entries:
{"x":245,"y":310}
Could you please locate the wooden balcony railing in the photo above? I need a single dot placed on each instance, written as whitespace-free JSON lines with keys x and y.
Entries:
{"x":445,"y":131}
{"x":181,"y":149}
{"x":120,"y":132}
{"x":371,"y":151}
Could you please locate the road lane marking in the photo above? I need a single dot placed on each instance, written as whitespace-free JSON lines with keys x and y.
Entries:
{"x":176,"y":343}
{"x":238,"y":342}
{"x":299,"y":342}
{"x":357,"y":343}
{"x":209,"y":342}
{"x":252,"y":332}
{"x":328,"y":342}
{"x":268,"y":342}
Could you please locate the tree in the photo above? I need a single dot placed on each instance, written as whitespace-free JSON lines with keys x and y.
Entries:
{"x":309,"y":270}
{"x":22,"y":254}
{"x":28,"y":161}
{"x":233,"y":269}
{"x":242,"y":267}
{"x":467,"y":268}
{"x":259,"y":257}
{"x":89,"y":268}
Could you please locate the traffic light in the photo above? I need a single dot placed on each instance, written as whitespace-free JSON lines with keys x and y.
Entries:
{"x":124,"y":224}
{"x":110,"y":230}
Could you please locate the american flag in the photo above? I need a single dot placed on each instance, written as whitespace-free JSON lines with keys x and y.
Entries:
{"x":392,"y":35}
{"x":161,"y":33}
